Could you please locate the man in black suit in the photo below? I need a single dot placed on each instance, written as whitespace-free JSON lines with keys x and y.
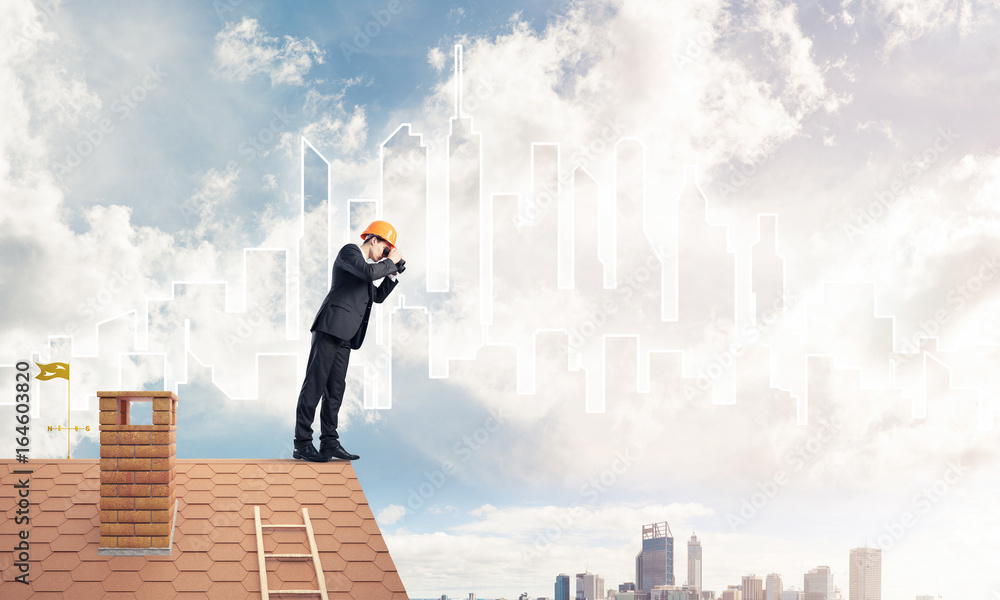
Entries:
{"x":339,"y":327}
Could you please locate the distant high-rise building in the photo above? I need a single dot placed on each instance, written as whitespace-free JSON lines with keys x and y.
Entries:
{"x":654,"y":565}
{"x":626,"y":587}
{"x":925,"y":597}
{"x":733,"y":592}
{"x":866,"y":574}
{"x":472,"y":596}
{"x":792,"y":594}
{"x":694,"y":562}
{"x":562,"y":587}
{"x":588,"y":586}
{"x":772,"y":590}
{"x":818,"y":584}
{"x":753,"y":588}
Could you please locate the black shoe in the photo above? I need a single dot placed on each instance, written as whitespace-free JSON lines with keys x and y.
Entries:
{"x":309,"y":453}
{"x":331,"y":452}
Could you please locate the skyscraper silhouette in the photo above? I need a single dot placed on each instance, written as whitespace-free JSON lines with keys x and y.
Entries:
{"x":753,"y":587}
{"x":818,"y":584}
{"x":694,"y":562}
{"x":562,"y":587}
{"x":773,"y":587}
{"x":866,"y":574}
{"x":655,"y":563}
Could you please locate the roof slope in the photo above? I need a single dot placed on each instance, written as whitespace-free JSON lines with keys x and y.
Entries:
{"x":215,"y":544}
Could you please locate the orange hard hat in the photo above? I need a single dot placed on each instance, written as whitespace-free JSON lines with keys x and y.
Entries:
{"x":382,"y":229}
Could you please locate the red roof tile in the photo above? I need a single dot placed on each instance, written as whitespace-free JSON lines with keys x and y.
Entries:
{"x":52,"y":581}
{"x":155,"y":589}
{"x":192,"y":581}
{"x":227,"y":571}
{"x":215,"y":545}
{"x":122,"y":581}
{"x":372,"y":589}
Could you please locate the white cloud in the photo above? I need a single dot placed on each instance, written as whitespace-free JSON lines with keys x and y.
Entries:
{"x":243,"y":50}
{"x":339,"y":132}
{"x":269,"y":182}
{"x":436,"y":58}
{"x":903,"y":22}
{"x":883,"y":126}
{"x":205,"y":211}
{"x":391,"y":514}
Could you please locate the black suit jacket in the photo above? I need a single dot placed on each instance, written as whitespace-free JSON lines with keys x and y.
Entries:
{"x":344,"y":312}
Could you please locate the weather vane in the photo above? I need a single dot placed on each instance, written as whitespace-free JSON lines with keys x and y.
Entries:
{"x":51,"y":371}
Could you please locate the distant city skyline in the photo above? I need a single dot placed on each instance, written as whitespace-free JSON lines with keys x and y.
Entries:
{"x":818,"y":583}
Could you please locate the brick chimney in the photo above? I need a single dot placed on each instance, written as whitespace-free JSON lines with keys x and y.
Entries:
{"x":138,"y":464}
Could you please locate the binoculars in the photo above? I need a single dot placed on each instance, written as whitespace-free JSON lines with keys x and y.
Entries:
{"x":401,"y":265}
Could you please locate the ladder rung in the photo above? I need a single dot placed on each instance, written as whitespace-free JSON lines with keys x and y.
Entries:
{"x":314,"y":556}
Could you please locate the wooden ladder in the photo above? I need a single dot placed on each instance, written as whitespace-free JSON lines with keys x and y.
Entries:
{"x":314,"y":555}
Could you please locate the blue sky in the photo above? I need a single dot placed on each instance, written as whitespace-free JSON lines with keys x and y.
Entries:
{"x":158,"y":142}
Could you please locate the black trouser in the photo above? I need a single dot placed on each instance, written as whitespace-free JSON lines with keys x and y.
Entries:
{"x":326,"y":374}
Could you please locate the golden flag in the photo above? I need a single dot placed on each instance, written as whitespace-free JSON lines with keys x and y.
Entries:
{"x":53,"y":370}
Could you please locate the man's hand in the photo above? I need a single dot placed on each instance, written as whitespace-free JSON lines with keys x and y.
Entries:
{"x":394,"y":255}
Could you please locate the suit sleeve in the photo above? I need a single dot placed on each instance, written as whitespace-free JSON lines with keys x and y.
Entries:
{"x":354,"y":263}
{"x":382,"y":291}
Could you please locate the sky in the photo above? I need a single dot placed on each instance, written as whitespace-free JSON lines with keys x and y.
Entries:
{"x":732,"y":266}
